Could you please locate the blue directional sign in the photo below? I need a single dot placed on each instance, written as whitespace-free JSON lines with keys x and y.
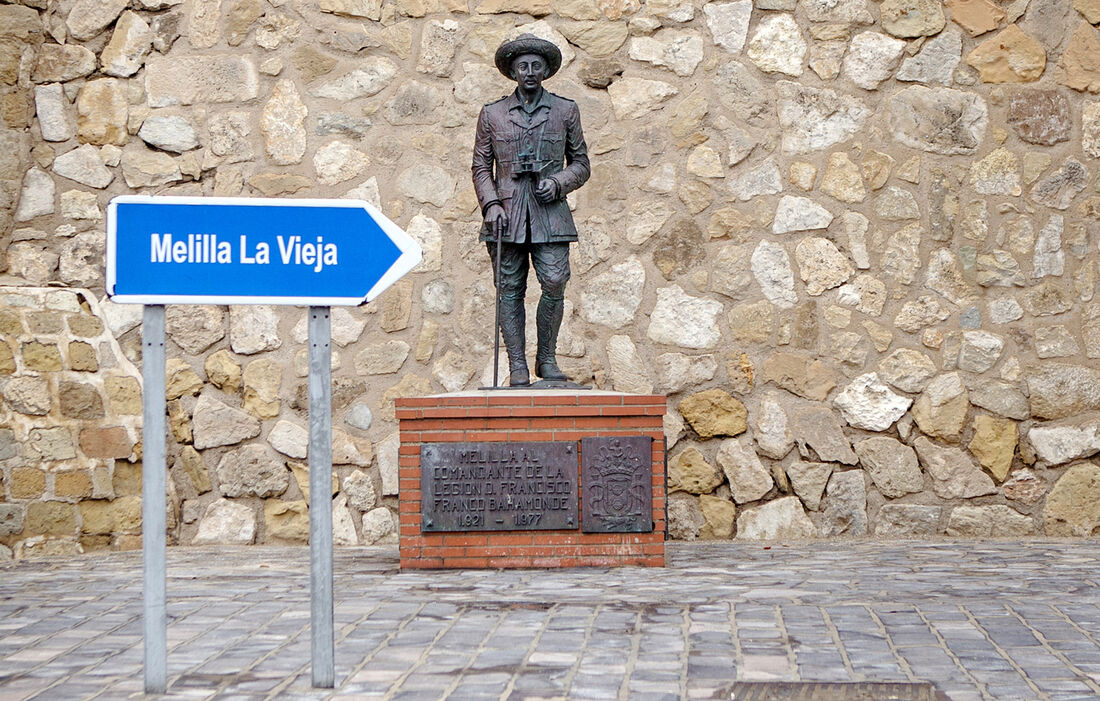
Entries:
{"x":219,"y":250}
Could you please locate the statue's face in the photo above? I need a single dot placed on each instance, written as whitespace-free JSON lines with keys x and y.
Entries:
{"x":529,"y":70}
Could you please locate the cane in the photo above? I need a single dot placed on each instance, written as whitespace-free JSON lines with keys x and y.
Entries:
{"x":496,"y":327}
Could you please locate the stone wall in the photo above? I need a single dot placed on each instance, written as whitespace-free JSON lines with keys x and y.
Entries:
{"x":854,"y":242}
{"x":70,"y":444}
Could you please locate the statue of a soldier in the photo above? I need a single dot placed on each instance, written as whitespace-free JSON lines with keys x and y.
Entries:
{"x":529,"y":153}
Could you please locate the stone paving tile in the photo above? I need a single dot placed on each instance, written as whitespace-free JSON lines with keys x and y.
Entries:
{"x":981,"y":620}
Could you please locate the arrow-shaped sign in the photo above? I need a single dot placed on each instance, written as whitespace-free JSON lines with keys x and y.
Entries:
{"x":220,"y":250}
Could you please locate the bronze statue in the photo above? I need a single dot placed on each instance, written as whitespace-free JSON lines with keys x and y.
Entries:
{"x":529,"y":153}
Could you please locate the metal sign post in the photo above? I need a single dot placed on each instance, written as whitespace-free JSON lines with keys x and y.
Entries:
{"x":196,"y":250}
{"x":153,"y":490}
{"x":320,"y":497}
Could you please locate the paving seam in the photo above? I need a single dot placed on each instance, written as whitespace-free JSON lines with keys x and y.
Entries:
{"x":271,"y":654}
{"x":567,"y":682}
{"x":1081,"y":674}
{"x":522,"y":666}
{"x":424,"y":653}
{"x":480,"y":649}
{"x":738,"y":649}
{"x":632,"y":656}
{"x":685,"y":649}
{"x":1004,"y":655}
{"x":381,"y":645}
{"x":834,"y":633}
{"x":212,"y":632}
{"x":902,"y":662}
{"x":92,"y":639}
{"x":788,"y":645}
{"x":951,"y":653}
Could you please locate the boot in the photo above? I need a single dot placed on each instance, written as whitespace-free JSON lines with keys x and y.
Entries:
{"x":512,"y":322}
{"x":547,"y":322}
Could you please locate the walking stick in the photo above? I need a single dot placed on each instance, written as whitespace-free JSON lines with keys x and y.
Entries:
{"x":496,"y":327}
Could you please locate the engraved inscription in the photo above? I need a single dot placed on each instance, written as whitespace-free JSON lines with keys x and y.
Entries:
{"x":498,"y":486}
{"x":618,"y":486}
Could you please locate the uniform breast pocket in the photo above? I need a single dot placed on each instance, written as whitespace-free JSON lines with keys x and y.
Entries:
{"x":554,"y":145}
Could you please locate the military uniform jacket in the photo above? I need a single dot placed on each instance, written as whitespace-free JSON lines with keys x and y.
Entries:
{"x":548,"y":134}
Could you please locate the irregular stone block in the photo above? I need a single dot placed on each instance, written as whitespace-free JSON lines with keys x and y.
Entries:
{"x":188,"y":80}
{"x":88,"y":18}
{"x":679,"y":51}
{"x":892,"y":466}
{"x":994,"y":444}
{"x":286,"y":521}
{"x":1073,"y":505}
{"x":102,"y":112}
{"x":821,"y":265}
{"x":907,"y":520}
{"x":845,"y":512}
{"x":778,"y":46}
{"x":125,"y":53}
{"x":941,"y":410}
{"x":954,"y":474}
{"x":995,"y":521}
{"x":770,"y":428}
{"x":869,"y":404}
{"x":808,"y":480}
{"x":912,"y":18}
{"x":782,"y":519}
{"x":729,"y":23}
{"x":681,"y":320}
{"x":226,"y":523}
{"x":771,"y":266}
{"x":60,"y":63}
{"x":1009,"y":57}
{"x":111,"y":442}
{"x":800,"y":375}
{"x":1066,"y":440}
{"x":1081,"y":60}
{"x":813,"y":119}
{"x":217,"y":424}
{"x":819,"y":429}
{"x":917,"y":115}
{"x":936,"y":61}
{"x":749,"y":480}
{"x":1040,"y":116}
{"x":871,"y":59}
{"x":713,"y":413}
{"x":976,"y":16}
{"x":252,"y":471}
{"x":689,"y":471}
{"x":633,"y":97}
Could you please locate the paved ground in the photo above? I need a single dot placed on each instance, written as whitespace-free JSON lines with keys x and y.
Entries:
{"x":978,"y":619}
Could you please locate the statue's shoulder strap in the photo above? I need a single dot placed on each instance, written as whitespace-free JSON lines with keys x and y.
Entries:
{"x":496,"y":101}
{"x":559,"y":97}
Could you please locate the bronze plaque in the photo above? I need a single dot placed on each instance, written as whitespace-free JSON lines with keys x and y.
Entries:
{"x":617,"y":474}
{"x":498,"y":486}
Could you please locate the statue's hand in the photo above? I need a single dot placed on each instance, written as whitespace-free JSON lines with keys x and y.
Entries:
{"x":547,"y":191}
{"x":497,"y":219}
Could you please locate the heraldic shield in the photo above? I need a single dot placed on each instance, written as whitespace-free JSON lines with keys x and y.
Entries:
{"x":616,"y":478}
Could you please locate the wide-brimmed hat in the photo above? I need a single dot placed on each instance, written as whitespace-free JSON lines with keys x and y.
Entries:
{"x":527,"y":44}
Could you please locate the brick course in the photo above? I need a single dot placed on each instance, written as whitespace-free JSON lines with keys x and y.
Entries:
{"x":516,"y":415}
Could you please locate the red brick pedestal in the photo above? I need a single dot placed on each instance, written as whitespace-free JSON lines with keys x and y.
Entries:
{"x":515,"y":416}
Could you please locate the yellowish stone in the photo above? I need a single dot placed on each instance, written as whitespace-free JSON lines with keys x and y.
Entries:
{"x":1009,"y":57}
{"x":714,"y":412}
{"x":994,"y":444}
{"x":1081,"y":60}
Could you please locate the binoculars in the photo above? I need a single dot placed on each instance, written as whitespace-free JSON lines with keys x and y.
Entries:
{"x":525,"y":164}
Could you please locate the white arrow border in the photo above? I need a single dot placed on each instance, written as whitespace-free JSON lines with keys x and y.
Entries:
{"x":410,"y":257}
